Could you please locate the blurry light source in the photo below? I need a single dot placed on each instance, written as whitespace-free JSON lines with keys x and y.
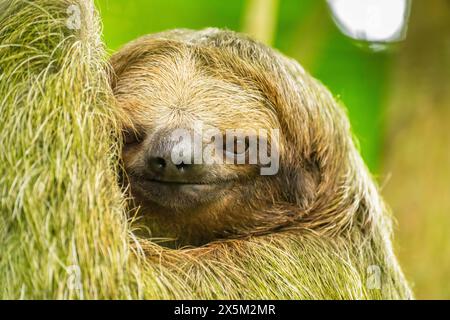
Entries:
{"x":373,"y":21}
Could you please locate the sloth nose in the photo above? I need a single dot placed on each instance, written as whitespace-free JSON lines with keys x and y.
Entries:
{"x":164,"y":167}
{"x":161,"y":166}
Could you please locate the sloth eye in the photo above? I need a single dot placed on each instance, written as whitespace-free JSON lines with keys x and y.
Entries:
{"x":236,"y":146}
{"x":132,"y":136}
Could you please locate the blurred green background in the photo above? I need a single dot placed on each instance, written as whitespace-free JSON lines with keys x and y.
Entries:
{"x":384,"y":92}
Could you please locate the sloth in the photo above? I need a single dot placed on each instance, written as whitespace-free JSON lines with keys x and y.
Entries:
{"x":178,"y":79}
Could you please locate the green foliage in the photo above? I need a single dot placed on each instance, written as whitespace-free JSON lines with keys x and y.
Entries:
{"x":125,"y":22}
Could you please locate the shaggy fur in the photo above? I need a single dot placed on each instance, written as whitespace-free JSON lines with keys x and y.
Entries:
{"x":229,"y":81}
{"x":61,"y":207}
{"x":323,"y":186}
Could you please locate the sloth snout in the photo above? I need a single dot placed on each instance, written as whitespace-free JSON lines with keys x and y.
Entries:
{"x":164,"y":167}
{"x":163,"y":161}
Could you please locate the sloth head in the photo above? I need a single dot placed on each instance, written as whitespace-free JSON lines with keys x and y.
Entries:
{"x":227,"y":137}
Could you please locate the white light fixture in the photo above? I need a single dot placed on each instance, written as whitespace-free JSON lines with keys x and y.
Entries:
{"x":374,"y":21}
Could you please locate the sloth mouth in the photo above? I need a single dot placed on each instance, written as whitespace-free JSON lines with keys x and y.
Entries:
{"x":155,"y":193}
{"x":177,"y":182}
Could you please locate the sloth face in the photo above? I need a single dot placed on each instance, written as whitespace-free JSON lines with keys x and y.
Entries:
{"x":196,"y":144}
{"x":196,"y":181}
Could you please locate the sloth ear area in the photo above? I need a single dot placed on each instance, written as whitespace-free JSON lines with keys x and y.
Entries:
{"x":306,"y":183}
{"x":313,"y":166}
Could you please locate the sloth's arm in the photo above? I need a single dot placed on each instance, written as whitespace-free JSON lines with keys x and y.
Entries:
{"x":287,"y":265}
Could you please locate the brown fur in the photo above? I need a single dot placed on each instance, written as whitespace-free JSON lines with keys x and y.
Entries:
{"x":230,"y":81}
